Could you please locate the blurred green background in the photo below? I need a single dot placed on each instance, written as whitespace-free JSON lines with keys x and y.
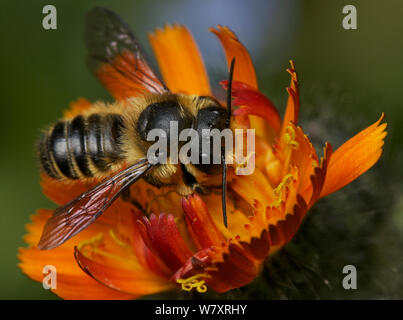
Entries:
{"x":355,"y":74}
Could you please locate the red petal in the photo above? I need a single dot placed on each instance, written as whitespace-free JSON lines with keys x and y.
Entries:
{"x":235,"y":270}
{"x":196,"y":264}
{"x":128,"y":230}
{"x":163,"y":238}
{"x":318,"y":179}
{"x":203,"y":231}
{"x":258,"y":248}
{"x":256,"y":104}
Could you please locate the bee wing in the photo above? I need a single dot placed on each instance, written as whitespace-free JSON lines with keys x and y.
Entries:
{"x":73,"y":217}
{"x":115,"y":56}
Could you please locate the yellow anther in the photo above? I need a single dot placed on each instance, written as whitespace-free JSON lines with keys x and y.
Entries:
{"x":276,"y":203}
{"x":92,"y":243}
{"x":244,"y":163}
{"x":194,"y":282}
{"x":277,"y":192}
{"x":289,"y":137}
{"x":94,"y":246}
{"x":281,"y":185}
{"x":290,"y":130}
{"x":116,"y":239}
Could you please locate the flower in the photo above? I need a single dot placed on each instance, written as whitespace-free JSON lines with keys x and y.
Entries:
{"x":183,"y":243}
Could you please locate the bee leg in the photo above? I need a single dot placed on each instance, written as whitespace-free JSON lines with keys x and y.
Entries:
{"x":190,"y":181}
{"x":126,"y":196}
{"x":199,"y":189}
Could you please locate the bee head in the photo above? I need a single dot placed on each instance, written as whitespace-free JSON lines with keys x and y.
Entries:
{"x":210,"y":123}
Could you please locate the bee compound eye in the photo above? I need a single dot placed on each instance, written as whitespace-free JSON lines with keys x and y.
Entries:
{"x":211,"y":118}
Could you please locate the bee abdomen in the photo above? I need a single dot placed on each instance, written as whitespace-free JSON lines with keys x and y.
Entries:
{"x":82,"y":146}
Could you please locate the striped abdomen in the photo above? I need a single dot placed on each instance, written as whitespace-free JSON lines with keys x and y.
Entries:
{"x":81,"y":147}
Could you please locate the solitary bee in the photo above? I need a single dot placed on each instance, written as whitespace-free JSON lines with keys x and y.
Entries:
{"x":109,"y":141}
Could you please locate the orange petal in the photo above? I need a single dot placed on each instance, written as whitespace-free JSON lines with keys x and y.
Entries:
{"x":117,"y":276}
{"x":72,"y":282}
{"x":355,"y":157}
{"x":179,"y":60}
{"x":202,"y":228}
{"x":244,"y":70}
{"x":237,"y":263}
{"x":281,"y":221}
{"x":253,"y":187}
{"x":292,"y":109}
{"x":236,"y":216}
{"x":304,"y":157}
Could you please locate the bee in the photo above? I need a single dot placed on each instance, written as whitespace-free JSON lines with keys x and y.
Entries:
{"x":109,"y":141}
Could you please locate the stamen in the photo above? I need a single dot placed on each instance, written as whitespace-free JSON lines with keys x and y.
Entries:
{"x":281,"y":185}
{"x":92,"y":246}
{"x":116,"y":239}
{"x":245,"y":162}
{"x":289,"y":137}
{"x":193,"y":282}
{"x":277,"y":192}
{"x":92,"y":243}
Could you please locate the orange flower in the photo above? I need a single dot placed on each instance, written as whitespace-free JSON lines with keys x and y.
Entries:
{"x":183,"y":243}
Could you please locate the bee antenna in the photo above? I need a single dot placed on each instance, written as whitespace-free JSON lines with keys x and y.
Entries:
{"x":224,"y":165}
{"x":229,"y":93}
